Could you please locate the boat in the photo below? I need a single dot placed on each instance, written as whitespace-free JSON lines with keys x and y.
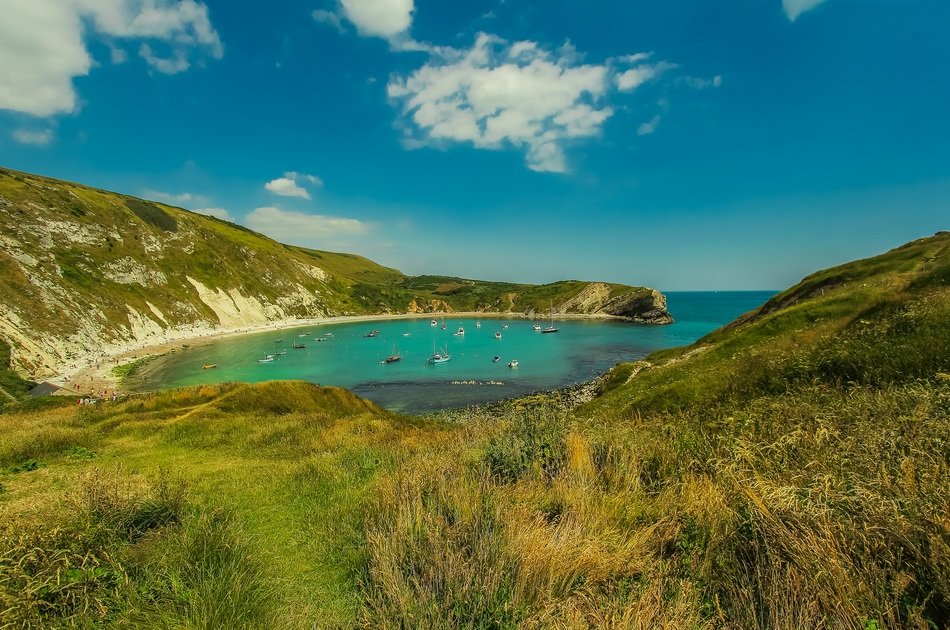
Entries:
{"x":536,"y":327}
{"x":505,"y":326}
{"x":405,"y":334}
{"x":304,"y":335}
{"x":371,"y":333}
{"x":513,"y":363}
{"x":497,"y":335}
{"x":209,"y":366}
{"x":327,"y":334}
{"x":278,"y":340}
{"x":496,"y":359}
{"x":460,"y":332}
{"x":392,"y":358}
{"x":298,"y":346}
{"x":443,"y":325}
{"x":434,"y":323}
{"x":438,"y":357}
{"x":280,"y":354}
{"x":478,"y":324}
{"x":266,"y":360}
{"x":551,"y":328}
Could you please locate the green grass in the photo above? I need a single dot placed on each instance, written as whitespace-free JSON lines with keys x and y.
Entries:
{"x":787,"y":471}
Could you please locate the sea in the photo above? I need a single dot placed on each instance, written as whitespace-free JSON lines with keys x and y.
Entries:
{"x":352,"y":355}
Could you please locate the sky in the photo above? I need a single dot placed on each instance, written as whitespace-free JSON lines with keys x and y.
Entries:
{"x":688,"y":145}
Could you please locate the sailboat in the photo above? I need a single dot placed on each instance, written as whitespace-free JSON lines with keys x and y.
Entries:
{"x":551,"y":328}
{"x":438,"y":357}
{"x":395,"y":356}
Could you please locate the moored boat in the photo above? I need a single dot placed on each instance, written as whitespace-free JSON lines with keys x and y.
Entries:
{"x":460,"y":332}
{"x":513,"y":363}
{"x":497,"y":335}
{"x":209,"y":366}
{"x":298,"y":346}
{"x":496,"y":359}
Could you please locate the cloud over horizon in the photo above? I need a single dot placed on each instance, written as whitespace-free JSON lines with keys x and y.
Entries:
{"x":300,"y":228}
{"x":43,"y":44}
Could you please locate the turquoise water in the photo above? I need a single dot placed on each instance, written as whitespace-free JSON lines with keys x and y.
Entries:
{"x":348,"y":358}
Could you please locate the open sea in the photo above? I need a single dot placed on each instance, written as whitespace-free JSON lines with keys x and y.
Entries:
{"x":348,"y":358}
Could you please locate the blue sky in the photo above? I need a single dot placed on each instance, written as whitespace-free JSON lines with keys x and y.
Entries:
{"x":736,"y":144}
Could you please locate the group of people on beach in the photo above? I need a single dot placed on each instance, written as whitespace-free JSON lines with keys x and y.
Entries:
{"x":91,"y":400}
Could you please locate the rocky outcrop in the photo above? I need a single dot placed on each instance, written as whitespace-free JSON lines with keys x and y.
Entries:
{"x":649,"y":308}
{"x":639,"y":305}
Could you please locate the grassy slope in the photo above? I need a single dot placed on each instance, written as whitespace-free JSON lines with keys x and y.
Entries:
{"x":275,"y":477}
{"x":791,"y":474}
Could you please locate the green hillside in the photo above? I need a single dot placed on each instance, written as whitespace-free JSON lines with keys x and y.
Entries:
{"x":84,"y":271}
{"x":787,"y":471}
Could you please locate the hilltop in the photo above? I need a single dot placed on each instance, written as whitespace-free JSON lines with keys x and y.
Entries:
{"x":87,"y":271}
{"x":786,"y":471}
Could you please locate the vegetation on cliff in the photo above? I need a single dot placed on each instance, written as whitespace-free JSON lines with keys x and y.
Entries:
{"x":787,"y":471}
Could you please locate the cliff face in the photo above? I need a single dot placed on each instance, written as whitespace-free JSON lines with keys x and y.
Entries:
{"x":639,"y":305}
{"x":86,"y":272}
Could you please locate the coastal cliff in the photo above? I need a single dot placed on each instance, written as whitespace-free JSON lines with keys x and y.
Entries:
{"x":87,"y":273}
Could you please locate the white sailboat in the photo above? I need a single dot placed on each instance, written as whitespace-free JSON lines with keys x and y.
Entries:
{"x":551,"y":328}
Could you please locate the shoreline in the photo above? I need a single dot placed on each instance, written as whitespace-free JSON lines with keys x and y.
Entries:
{"x":96,"y":377}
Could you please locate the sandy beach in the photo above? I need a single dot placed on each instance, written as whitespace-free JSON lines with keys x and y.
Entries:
{"x":97,"y":379}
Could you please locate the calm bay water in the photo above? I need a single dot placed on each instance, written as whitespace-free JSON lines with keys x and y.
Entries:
{"x":347,"y":358}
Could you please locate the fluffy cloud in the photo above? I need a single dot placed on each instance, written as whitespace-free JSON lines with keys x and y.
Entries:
{"x":299,"y":228}
{"x":219,"y":213}
{"x":794,"y":8}
{"x":38,"y":138}
{"x":288,"y":186}
{"x":330,"y":18}
{"x":379,"y":18}
{"x":500,"y":94}
{"x":43,"y":49}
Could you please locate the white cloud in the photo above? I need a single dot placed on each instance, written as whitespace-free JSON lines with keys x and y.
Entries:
{"x":299,"y":228}
{"x":698,"y":83}
{"x":328,"y":17}
{"x":219,"y":213}
{"x":633,"y":78}
{"x":794,"y":8}
{"x":497,"y":95}
{"x":649,"y":127}
{"x":43,"y":48}
{"x":288,"y":186}
{"x":37,"y":138}
{"x":165,"y":197}
{"x":379,"y":18}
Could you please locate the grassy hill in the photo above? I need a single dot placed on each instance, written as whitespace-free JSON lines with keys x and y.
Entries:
{"x":84,"y":271}
{"x":787,"y":471}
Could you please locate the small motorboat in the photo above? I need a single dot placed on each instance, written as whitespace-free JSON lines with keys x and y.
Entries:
{"x":460,"y":332}
{"x":405,"y":334}
{"x":513,"y":363}
{"x":278,"y":340}
{"x":280,"y":354}
{"x":434,"y":323}
{"x":371,"y":333}
{"x":303,"y":335}
{"x":505,"y":326}
{"x":536,"y":327}
{"x":266,"y":360}
{"x":298,"y":346}
{"x":327,"y":334}
{"x":209,"y":366}
{"x":496,"y":359}
{"x":497,"y":335}
{"x":478,"y":324}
